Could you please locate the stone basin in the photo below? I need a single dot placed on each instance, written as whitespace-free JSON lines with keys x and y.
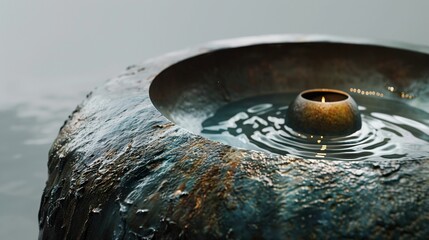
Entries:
{"x":129,"y":163}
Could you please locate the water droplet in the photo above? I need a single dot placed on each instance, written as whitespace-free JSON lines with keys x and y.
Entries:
{"x":142,"y":211}
{"x":96,"y":210}
{"x":122,"y":208}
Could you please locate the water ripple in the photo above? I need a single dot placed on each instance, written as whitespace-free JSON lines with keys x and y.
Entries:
{"x":258,"y":124}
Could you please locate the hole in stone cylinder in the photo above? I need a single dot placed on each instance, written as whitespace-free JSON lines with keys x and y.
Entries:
{"x":324,"y":96}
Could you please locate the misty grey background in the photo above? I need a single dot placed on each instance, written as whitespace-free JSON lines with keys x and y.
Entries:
{"x":54,"y":52}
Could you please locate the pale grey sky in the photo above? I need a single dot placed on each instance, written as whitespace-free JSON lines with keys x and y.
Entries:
{"x":47,"y":39}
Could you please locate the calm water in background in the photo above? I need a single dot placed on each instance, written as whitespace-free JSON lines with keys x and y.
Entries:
{"x":54,"y":52}
{"x":27,"y":130}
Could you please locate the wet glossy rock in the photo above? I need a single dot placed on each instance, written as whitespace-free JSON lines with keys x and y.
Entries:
{"x":120,"y":170}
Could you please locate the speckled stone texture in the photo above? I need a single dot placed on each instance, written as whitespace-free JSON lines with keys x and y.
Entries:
{"x":120,"y":170}
{"x":324,"y":118}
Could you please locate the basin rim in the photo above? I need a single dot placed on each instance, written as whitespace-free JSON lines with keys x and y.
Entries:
{"x":161,"y":63}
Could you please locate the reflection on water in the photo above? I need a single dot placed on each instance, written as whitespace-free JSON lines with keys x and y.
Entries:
{"x":390,"y":130}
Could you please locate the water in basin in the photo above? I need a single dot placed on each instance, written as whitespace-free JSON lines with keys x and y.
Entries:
{"x":391,"y":129}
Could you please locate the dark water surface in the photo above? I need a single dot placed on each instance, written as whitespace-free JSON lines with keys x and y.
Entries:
{"x":390,"y":130}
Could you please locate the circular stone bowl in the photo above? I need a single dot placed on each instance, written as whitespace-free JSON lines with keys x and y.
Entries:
{"x":129,"y":163}
{"x":324,"y":112}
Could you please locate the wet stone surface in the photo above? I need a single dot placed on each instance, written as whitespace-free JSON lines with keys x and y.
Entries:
{"x":120,"y":170}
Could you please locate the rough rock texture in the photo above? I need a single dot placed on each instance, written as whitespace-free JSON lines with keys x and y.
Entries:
{"x":120,"y":170}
